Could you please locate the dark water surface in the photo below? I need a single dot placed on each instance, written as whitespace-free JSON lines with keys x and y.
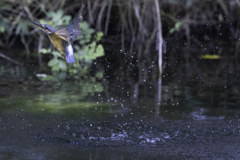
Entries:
{"x":186,"y":116}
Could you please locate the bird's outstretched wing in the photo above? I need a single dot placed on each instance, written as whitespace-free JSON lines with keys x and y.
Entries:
{"x":74,"y":27}
{"x":62,"y":32}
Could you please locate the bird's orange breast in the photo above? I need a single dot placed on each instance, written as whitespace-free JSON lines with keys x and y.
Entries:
{"x":57,"y":42}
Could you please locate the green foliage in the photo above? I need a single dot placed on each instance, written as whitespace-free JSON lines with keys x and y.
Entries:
{"x":22,"y":28}
{"x":85,"y":53}
{"x":176,"y":27}
{"x":58,"y":18}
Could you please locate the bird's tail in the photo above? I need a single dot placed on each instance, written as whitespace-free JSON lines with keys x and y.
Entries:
{"x":70,"y":59}
{"x":69,"y":54}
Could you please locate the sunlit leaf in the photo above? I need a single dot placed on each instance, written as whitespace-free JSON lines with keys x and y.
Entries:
{"x":176,"y":27}
{"x":100,"y":51}
{"x":99,"y":36}
{"x":172,"y":30}
{"x":2,"y":29}
{"x":93,"y":44}
{"x":44,"y":50}
{"x":208,"y":56}
{"x":42,"y":21}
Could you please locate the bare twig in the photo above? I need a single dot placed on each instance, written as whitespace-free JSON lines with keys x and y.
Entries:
{"x":160,"y":39}
{"x":39,"y":49}
{"x":108,"y":17}
{"x":16,"y":20}
{"x":122,"y":39}
{"x":28,"y":13}
{"x":12,"y":41}
{"x":137,"y":14}
{"x":90,"y":16}
{"x":100,"y":15}
{"x":10,"y":59}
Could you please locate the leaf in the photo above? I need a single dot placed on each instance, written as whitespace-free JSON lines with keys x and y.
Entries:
{"x":90,"y":31}
{"x":82,"y":42}
{"x":84,"y":26}
{"x":74,"y":71}
{"x":98,"y":87}
{"x":98,"y":36}
{"x":62,"y":65}
{"x":93,"y":44}
{"x":208,"y":56}
{"x":92,"y":79}
{"x":42,"y":21}
{"x":56,"y":54}
{"x":44,"y":50}
{"x":87,"y":40}
{"x":85,"y":70}
{"x":53,"y":62}
{"x":91,"y":52}
{"x":88,"y":88}
{"x":172,"y":30}
{"x":99,"y":51}
{"x":2,"y":29}
{"x":55,"y":68}
{"x":88,"y":36}
{"x":99,"y":74}
{"x":85,"y":49}
{"x":178,"y":25}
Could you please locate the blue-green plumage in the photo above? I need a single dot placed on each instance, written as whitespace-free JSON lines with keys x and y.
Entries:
{"x":63,"y":38}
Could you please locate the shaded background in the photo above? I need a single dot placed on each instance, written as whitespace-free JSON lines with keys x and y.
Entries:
{"x":130,"y":32}
{"x":200,"y":41}
{"x":118,"y":97}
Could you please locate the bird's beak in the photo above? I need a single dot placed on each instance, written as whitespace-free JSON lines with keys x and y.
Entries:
{"x":37,"y":24}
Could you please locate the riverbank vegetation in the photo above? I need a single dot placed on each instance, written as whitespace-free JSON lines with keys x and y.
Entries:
{"x":128,"y":34}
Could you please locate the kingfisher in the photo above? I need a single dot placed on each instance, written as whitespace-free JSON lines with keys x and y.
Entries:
{"x":63,"y":37}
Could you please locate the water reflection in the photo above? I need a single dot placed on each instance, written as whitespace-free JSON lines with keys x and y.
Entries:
{"x":149,"y":118}
{"x":159,"y":96}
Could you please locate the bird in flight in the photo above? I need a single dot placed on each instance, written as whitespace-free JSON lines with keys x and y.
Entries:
{"x":63,"y":37}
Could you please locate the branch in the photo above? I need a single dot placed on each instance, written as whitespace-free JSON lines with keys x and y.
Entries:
{"x":160,"y":39}
{"x":10,"y":59}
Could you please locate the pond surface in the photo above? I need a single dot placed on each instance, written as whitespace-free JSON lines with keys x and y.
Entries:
{"x":190,"y":115}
